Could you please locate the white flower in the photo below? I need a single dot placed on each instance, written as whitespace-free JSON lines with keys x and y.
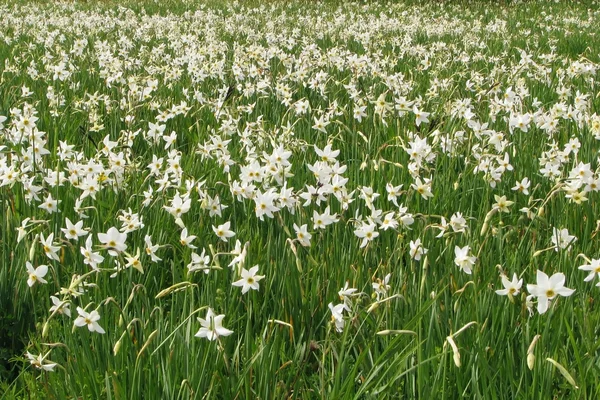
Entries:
{"x":249,"y":279}
{"x":393,"y":193}
{"x":522,"y":186}
{"x":417,"y":250}
{"x":89,"y":257}
{"x":134,"y":261}
{"x":502,"y":204}
{"x":61,"y":307}
{"x":561,"y":239}
{"x":90,"y":319}
{"x":39,"y":362}
{"x":186,"y":240}
{"x":420,"y":116}
{"x":36,"y":275}
{"x":458,"y":223}
{"x":593,"y":268}
{"x":114,"y":241}
{"x":548,"y":288}
{"x":199,"y":263}
{"x":73,"y":231}
{"x":302,"y":235}
{"x":336,"y":315}
{"x":49,"y":204}
{"x":423,"y":187}
{"x":21,"y":230}
{"x":511,"y":288}
{"x":223,"y":231}
{"x":463,"y":260}
{"x":381,"y":287}
{"x":239,"y":253}
{"x":151,"y":249}
{"x":212,"y":326}
{"x":345,"y":294}
{"x":389,"y":221}
{"x":49,"y":249}
{"x":367,"y":233}
{"x":321,"y":221}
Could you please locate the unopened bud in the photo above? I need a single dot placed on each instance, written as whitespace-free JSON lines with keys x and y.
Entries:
{"x":530,"y":361}
{"x":456,"y":356}
{"x":32,"y":248}
{"x":373,"y":307}
{"x":45,"y":329}
{"x":484,"y":229}
{"x":530,"y":355}
{"x":117,"y":347}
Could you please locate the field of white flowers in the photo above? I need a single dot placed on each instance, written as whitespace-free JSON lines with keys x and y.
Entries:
{"x":299,"y":200}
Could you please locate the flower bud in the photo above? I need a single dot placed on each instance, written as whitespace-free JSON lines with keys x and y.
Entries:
{"x":530,"y":360}
{"x":117,"y":346}
{"x":32,"y":248}
{"x":45,"y":329}
{"x":530,"y":355}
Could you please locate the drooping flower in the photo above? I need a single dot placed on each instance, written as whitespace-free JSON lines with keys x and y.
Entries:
{"x":417,"y":250}
{"x":561,"y":239}
{"x":40,"y":362}
{"x":212,"y":326}
{"x":337,"y":316}
{"x":463,"y":260}
{"x":303,"y":235}
{"x":61,"y":307}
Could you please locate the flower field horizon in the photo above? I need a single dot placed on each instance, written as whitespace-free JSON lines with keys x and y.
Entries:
{"x":299,"y":200}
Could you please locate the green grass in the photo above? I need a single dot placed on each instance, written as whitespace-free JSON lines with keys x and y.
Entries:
{"x":284,"y":343}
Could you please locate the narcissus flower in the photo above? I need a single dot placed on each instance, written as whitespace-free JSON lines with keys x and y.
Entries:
{"x":114,"y":241}
{"x":502,"y":204}
{"x":37,"y":274}
{"x":417,"y":250}
{"x":463,"y":260}
{"x":366,"y":232}
{"x":90,"y":319}
{"x":223,"y":231}
{"x":511,"y":288}
{"x":49,"y":248}
{"x":593,"y":268}
{"x":249,"y":279}
{"x":40,"y":363}
{"x":61,"y":307}
{"x":73,"y":231}
{"x":561,"y":239}
{"x":548,"y":288}
{"x":303,"y":235}
{"x":337,"y":316}
{"x":212,"y":326}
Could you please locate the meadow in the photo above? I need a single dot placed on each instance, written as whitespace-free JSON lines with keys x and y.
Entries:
{"x":303,"y":200}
